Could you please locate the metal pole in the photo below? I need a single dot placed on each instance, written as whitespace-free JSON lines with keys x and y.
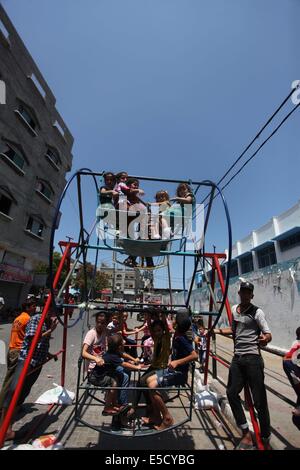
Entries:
{"x":170,"y":283}
{"x":85,"y":293}
{"x":256,"y":430}
{"x":209,"y":323}
{"x":214,"y":351}
{"x":204,"y":232}
{"x":222,"y":285}
{"x":149,"y":178}
{"x":65,"y":331}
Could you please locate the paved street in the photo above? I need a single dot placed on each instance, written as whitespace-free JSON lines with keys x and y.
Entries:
{"x":203,"y":432}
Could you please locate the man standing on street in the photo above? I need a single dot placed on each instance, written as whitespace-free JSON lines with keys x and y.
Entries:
{"x":15,"y":344}
{"x":40,"y":356}
{"x":250,"y":331}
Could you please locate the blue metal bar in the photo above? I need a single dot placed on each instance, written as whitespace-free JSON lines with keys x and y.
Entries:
{"x":162,"y":252}
{"x":148,"y":178}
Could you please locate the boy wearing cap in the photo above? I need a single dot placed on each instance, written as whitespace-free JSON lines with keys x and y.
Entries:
{"x":250,"y":331}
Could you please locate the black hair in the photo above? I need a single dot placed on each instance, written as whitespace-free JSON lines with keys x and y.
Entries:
{"x":113,"y":344}
{"x":185,"y":186}
{"x":120,"y":174}
{"x":29,"y":303}
{"x":159,"y":323}
{"x":131,"y":181}
{"x":102,"y":312}
{"x":183,"y":321}
{"x":298,"y":333}
{"x":108,"y":173}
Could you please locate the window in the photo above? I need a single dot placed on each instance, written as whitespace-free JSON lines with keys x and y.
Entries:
{"x":234,"y":270}
{"x":35,"y":226}
{"x":14,"y":156}
{"x":27,"y":116}
{"x":247,"y":264}
{"x":53,"y":157}
{"x":266,"y":256}
{"x":44,"y":189}
{"x":5,"y":204}
{"x":290,"y":242}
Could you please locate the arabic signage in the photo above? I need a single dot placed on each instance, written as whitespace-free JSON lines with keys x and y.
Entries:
{"x":14,"y":274}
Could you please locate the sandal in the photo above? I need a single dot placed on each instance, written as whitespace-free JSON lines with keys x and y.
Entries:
{"x":109,"y":412}
{"x":123,"y":409}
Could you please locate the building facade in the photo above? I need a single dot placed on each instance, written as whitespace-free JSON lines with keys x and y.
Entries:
{"x":123,"y":284}
{"x":274,"y":243}
{"x":35,"y":155}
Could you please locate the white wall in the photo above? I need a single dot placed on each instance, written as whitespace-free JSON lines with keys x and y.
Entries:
{"x":288,"y":254}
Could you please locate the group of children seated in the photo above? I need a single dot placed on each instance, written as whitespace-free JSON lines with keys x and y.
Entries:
{"x":112,"y":357}
{"x":123,"y":194}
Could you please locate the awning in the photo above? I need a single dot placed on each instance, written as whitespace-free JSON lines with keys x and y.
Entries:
{"x":242,"y":255}
{"x":263,"y":245}
{"x":288,"y":233}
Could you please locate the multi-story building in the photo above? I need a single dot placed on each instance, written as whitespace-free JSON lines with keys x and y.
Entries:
{"x":35,"y":155}
{"x":124,"y":284}
{"x":274,"y":243}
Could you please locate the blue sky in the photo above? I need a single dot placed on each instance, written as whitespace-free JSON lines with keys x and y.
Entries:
{"x":173,"y":88}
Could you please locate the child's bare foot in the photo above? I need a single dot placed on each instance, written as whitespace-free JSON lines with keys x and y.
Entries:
{"x":166,"y":423}
{"x":151,"y":420}
{"x":110,"y":411}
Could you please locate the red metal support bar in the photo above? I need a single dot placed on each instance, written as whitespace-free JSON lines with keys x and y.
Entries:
{"x":68,"y":244}
{"x":214,"y":255}
{"x":255,"y":425}
{"x":211,"y":304}
{"x":218,"y":359}
{"x":222,"y":285}
{"x":17,"y":392}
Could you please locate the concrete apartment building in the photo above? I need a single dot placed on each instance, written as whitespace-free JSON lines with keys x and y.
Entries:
{"x":35,"y":155}
{"x":123,"y":284}
{"x":274,"y":243}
